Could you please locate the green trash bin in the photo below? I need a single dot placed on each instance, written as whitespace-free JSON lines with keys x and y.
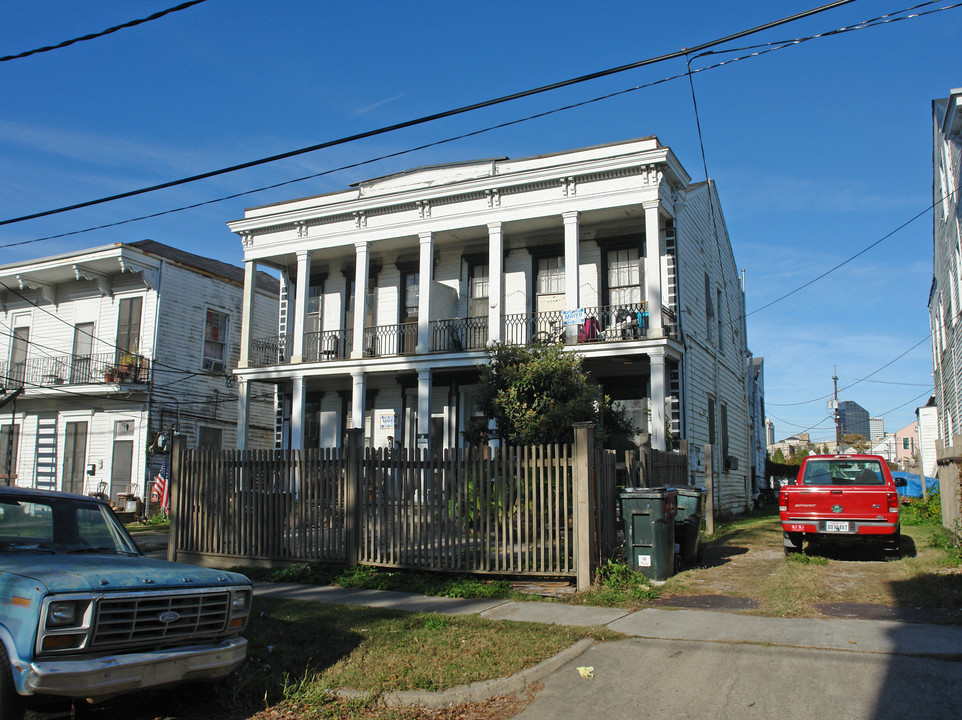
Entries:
{"x":649,"y":515}
{"x":691,"y":510}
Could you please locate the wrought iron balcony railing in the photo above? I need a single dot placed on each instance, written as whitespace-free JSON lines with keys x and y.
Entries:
{"x":51,"y":371}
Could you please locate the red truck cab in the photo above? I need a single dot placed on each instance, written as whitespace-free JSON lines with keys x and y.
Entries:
{"x":841,"y":497}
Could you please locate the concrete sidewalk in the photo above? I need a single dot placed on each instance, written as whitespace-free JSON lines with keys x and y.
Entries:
{"x":866,"y":636}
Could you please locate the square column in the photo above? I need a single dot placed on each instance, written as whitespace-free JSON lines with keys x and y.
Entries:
{"x":572,"y":267}
{"x":300,"y":304}
{"x":656,"y":396}
{"x":243,"y":412}
{"x":358,"y":388}
{"x":424,"y":409}
{"x":495,"y":280}
{"x":653,"y":269}
{"x":425,"y":271}
{"x":362,"y":269}
{"x":247,"y":313}
{"x":298,"y":402}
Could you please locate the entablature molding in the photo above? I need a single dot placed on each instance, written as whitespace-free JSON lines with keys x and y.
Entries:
{"x":359,"y":211}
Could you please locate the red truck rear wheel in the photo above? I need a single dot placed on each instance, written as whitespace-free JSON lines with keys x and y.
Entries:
{"x":792,"y":542}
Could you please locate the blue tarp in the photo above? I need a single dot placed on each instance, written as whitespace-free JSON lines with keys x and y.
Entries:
{"x":914,"y":486}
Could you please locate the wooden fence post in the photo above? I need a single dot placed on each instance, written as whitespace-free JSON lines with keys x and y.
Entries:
{"x":352,"y":496}
{"x":583,"y":515}
{"x":175,"y":477}
{"x":710,"y":487}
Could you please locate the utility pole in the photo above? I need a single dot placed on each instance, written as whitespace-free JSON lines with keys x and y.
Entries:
{"x":838,"y":428}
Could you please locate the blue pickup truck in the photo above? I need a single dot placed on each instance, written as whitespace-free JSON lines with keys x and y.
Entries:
{"x":85,"y":615}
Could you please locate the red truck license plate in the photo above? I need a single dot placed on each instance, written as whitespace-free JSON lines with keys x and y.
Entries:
{"x":836,"y":526}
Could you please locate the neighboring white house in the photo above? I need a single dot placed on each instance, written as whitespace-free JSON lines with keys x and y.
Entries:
{"x":945,"y":297}
{"x":759,"y":430}
{"x":928,"y":424}
{"x":391,"y":291}
{"x":102,"y":348}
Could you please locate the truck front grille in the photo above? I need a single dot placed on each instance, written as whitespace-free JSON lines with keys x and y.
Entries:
{"x":159,"y":619}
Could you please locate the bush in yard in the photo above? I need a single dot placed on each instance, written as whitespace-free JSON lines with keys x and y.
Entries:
{"x":618,"y":584}
{"x":535,"y":394}
{"x":923,"y":511}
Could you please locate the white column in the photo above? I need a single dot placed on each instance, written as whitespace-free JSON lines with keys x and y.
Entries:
{"x":243,"y":412}
{"x":495,"y":280}
{"x":572,"y":268}
{"x":298,"y":402}
{"x":425,"y":271}
{"x":247,"y":313}
{"x":358,"y":396}
{"x":300,"y":305}
{"x":424,"y":409}
{"x":657,"y":397}
{"x":361,"y":272}
{"x":653,"y":268}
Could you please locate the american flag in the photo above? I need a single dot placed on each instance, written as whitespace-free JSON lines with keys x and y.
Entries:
{"x":162,"y":488}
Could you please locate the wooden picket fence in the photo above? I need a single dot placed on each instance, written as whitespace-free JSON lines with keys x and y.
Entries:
{"x":543,"y":511}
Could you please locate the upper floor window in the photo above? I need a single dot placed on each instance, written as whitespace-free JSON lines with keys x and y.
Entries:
{"x":906,"y":443}
{"x":624,"y":277}
{"x":215,"y":341}
{"x":18,"y":356}
{"x":412,"y":288}
{"x":551,"y":275}
{"x":478,"y":291}
{"x":128,"y":325}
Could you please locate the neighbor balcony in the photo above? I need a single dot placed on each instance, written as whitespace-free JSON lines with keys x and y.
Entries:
{"x":53,"y":371}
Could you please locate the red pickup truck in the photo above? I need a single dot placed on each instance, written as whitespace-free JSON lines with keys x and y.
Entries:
{"x":844,"y":497}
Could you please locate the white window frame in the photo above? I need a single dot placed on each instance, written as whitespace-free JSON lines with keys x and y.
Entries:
{"x":209,"y":362}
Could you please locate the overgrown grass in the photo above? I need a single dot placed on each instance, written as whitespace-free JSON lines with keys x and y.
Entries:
{"x":617,"y":585}
{"x":299,"y":652}
{"x":806,"y":559}
{"x":370,"y":578}
{"x":158,"y":522}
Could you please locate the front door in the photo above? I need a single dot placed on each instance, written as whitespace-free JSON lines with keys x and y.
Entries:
{"x":121,"y":468}
{"x":74,"y":457}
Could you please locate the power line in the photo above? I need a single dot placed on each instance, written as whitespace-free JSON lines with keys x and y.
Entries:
{"x":108,"y":31}
{"x":433,"y":117}
{"x":436,"y":143}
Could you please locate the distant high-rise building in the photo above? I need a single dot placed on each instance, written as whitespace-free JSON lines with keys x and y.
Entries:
{"x":877,"y":428}
{"x":853,"y":419}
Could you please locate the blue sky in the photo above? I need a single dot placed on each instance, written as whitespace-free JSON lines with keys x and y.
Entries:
{"x":819,"y":150}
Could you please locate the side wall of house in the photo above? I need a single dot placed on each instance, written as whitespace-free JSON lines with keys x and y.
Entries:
{"x":715,"y":374}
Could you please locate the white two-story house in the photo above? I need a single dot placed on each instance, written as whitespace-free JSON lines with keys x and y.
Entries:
{"x":392,"y":289}
{"x":103,"y":348}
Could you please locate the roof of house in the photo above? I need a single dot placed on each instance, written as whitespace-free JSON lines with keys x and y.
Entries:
{"x":265,"y":282}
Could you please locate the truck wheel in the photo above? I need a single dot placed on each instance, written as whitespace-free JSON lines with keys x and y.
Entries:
{"x":792,"y":542}
{"x":893,"y":546}
{"x":11,"y":704}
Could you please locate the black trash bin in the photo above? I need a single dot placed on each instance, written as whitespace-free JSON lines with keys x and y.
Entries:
{"x":649,"y":515}
{"x":691,"y":510}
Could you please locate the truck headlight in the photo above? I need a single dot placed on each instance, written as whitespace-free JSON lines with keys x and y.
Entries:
{"x":241,"y":601}
{"x":64,"y":613}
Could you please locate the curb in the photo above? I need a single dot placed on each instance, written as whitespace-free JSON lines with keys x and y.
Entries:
{"x":481,"y":690}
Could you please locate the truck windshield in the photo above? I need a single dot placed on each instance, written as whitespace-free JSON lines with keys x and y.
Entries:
{"x":41,"y":525}
{"x":843,"y":472}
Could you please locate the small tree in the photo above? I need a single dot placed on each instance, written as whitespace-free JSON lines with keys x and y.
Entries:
{"x":534,"y":394}
{"x":856,"y":441}
{"x":778,"y":457}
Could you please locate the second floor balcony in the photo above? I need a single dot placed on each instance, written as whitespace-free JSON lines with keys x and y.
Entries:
{"x":56,"y":370}
{"x":601,"y":325}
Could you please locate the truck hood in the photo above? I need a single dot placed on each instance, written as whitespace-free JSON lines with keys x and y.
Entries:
{"x":112,"y":573}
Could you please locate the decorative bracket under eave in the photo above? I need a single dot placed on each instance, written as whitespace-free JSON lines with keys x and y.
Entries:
{"x":102,"y":280}
{"x":149,"y":273}
{"x":48,"y":291}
